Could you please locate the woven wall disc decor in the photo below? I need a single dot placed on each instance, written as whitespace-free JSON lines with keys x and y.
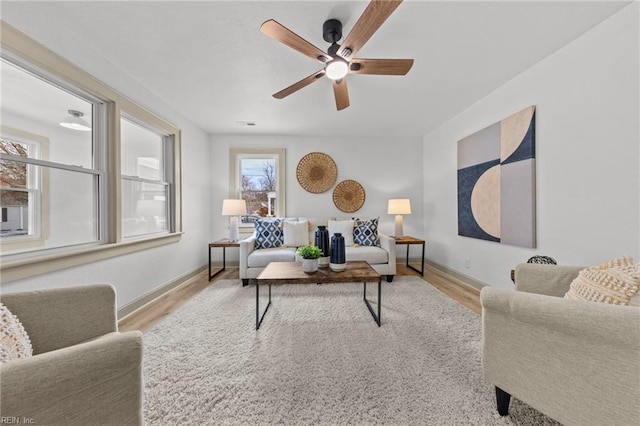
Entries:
{"x":349,"y":196}
{"x":317,"y":172}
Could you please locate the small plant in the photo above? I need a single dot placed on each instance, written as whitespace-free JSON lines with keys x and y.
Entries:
{"x":309,"y":252}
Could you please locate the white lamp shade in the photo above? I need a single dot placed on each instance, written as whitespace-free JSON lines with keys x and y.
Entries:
{"x":399,"y":206}
{"x":234,"y":207}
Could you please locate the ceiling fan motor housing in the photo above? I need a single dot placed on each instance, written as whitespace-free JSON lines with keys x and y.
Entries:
{"x":332,"y":31}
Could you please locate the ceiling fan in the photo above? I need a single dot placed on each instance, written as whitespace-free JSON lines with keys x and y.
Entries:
{"x":340,"y":59}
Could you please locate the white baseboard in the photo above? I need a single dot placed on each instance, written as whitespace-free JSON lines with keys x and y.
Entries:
{"x":465,"y":279}
{"x":136,"y":304}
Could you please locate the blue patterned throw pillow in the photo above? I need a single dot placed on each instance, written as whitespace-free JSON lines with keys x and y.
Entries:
{"x":269,"y":234}
{"x":365,"y":232}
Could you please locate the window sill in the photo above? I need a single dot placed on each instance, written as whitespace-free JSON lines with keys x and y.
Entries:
{"x":25,"y":268}
{"x":23,"y":242}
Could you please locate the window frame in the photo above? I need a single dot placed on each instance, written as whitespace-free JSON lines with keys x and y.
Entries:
{"x":167,"y":179}
{"x":236,"y":154}
{"x":26,"y":52}
{"x":99,"y":138}
{"x":42,"y":206}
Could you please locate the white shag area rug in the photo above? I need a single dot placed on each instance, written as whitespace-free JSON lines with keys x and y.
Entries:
{"x":319,"y":358}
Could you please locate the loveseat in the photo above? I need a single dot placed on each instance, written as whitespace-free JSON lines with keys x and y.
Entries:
{"x":576,"y":361}
{"x":254,"y":257}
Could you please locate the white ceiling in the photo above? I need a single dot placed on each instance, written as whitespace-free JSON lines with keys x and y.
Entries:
{"x":209,"y":60}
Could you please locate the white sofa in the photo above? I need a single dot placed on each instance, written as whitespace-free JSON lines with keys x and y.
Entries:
{"x":253,"y":261}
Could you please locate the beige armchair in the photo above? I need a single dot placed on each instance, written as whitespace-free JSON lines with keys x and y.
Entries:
{"x":83,"y":371}
{"x":577,"y":362}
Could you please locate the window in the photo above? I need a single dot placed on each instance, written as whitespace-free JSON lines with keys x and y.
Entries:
{"x":105,"y":185}
{"x":258,"y":186}
{"x":257,"y":176}
{"x":19,"y":191}
{"x":25,"y":207}
{"x":146,"y":183}
{"x":50,"y":185}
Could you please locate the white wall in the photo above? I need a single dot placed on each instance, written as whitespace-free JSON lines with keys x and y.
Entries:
{"x":136,"y":274}
{"x":587,"y":138}
{"x":386,"y":168}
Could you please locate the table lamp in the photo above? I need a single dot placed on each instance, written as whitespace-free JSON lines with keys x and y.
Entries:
{"x":234,"y":208}
{"x":399,"y":206}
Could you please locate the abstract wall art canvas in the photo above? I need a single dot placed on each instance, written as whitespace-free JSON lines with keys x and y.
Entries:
{"x":496,"y":182}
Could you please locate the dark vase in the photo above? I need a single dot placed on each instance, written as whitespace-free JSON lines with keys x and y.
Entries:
{"x":322,"y":242}
{"x":338,"y":260}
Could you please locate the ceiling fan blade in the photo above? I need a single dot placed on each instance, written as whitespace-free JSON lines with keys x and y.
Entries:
{"x":285,"y":36}
{"x":341,"y":93}
{"x":373,"y":16}
{"x":299,"y":85}
{"x":380,"y":66}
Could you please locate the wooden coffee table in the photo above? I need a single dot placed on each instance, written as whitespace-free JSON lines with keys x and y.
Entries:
{"x":291,"y":273}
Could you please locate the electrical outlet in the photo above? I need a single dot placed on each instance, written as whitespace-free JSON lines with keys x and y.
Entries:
{"x":467,"y":263}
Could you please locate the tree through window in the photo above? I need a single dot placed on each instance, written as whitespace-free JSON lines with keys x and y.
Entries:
{"x":258,"y":187}
{"x":257,"y":176}
{"x":14,"y":190}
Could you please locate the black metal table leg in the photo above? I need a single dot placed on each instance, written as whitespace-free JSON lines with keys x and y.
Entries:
{"x":406,"y":261}
{"x":376,"y":318}
{"x":421,"y":271}
{"x":224,"y":258}
{"x":379,"y":300}
{"x":224,"y":263}
{"x":258,"y":317}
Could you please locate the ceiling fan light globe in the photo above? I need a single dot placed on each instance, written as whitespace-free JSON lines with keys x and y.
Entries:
{"x":337,"y":69}
{"x":76,"y":126}
{"x":75,"y":122}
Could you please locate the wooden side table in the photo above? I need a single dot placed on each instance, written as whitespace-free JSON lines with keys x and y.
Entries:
{"x":224,"y":243}
{"x":409,"y":241}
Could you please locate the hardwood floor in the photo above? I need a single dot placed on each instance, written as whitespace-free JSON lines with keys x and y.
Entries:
{"x":144,"y":318}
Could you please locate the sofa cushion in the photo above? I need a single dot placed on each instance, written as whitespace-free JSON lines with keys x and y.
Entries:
{"x":344,"y":227}
{"x":261,"y":258}
{"x":614,"y":282}
{"x":371,"y":254}
{"x":269,"y":233}
{"x":14,"y":340}
{"x":296,"y":234}
{"x":365,"y":232}
{"x":314,"y":222}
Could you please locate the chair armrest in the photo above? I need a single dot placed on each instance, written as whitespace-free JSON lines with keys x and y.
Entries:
{"x":567,"y":358}
{"x":388,"y":244}
{"x":95,"y":381}
{"x":551,"y":280}
{"x":588,"y":321}
{"x":246,"y":247}
{"x":63,"y":317}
